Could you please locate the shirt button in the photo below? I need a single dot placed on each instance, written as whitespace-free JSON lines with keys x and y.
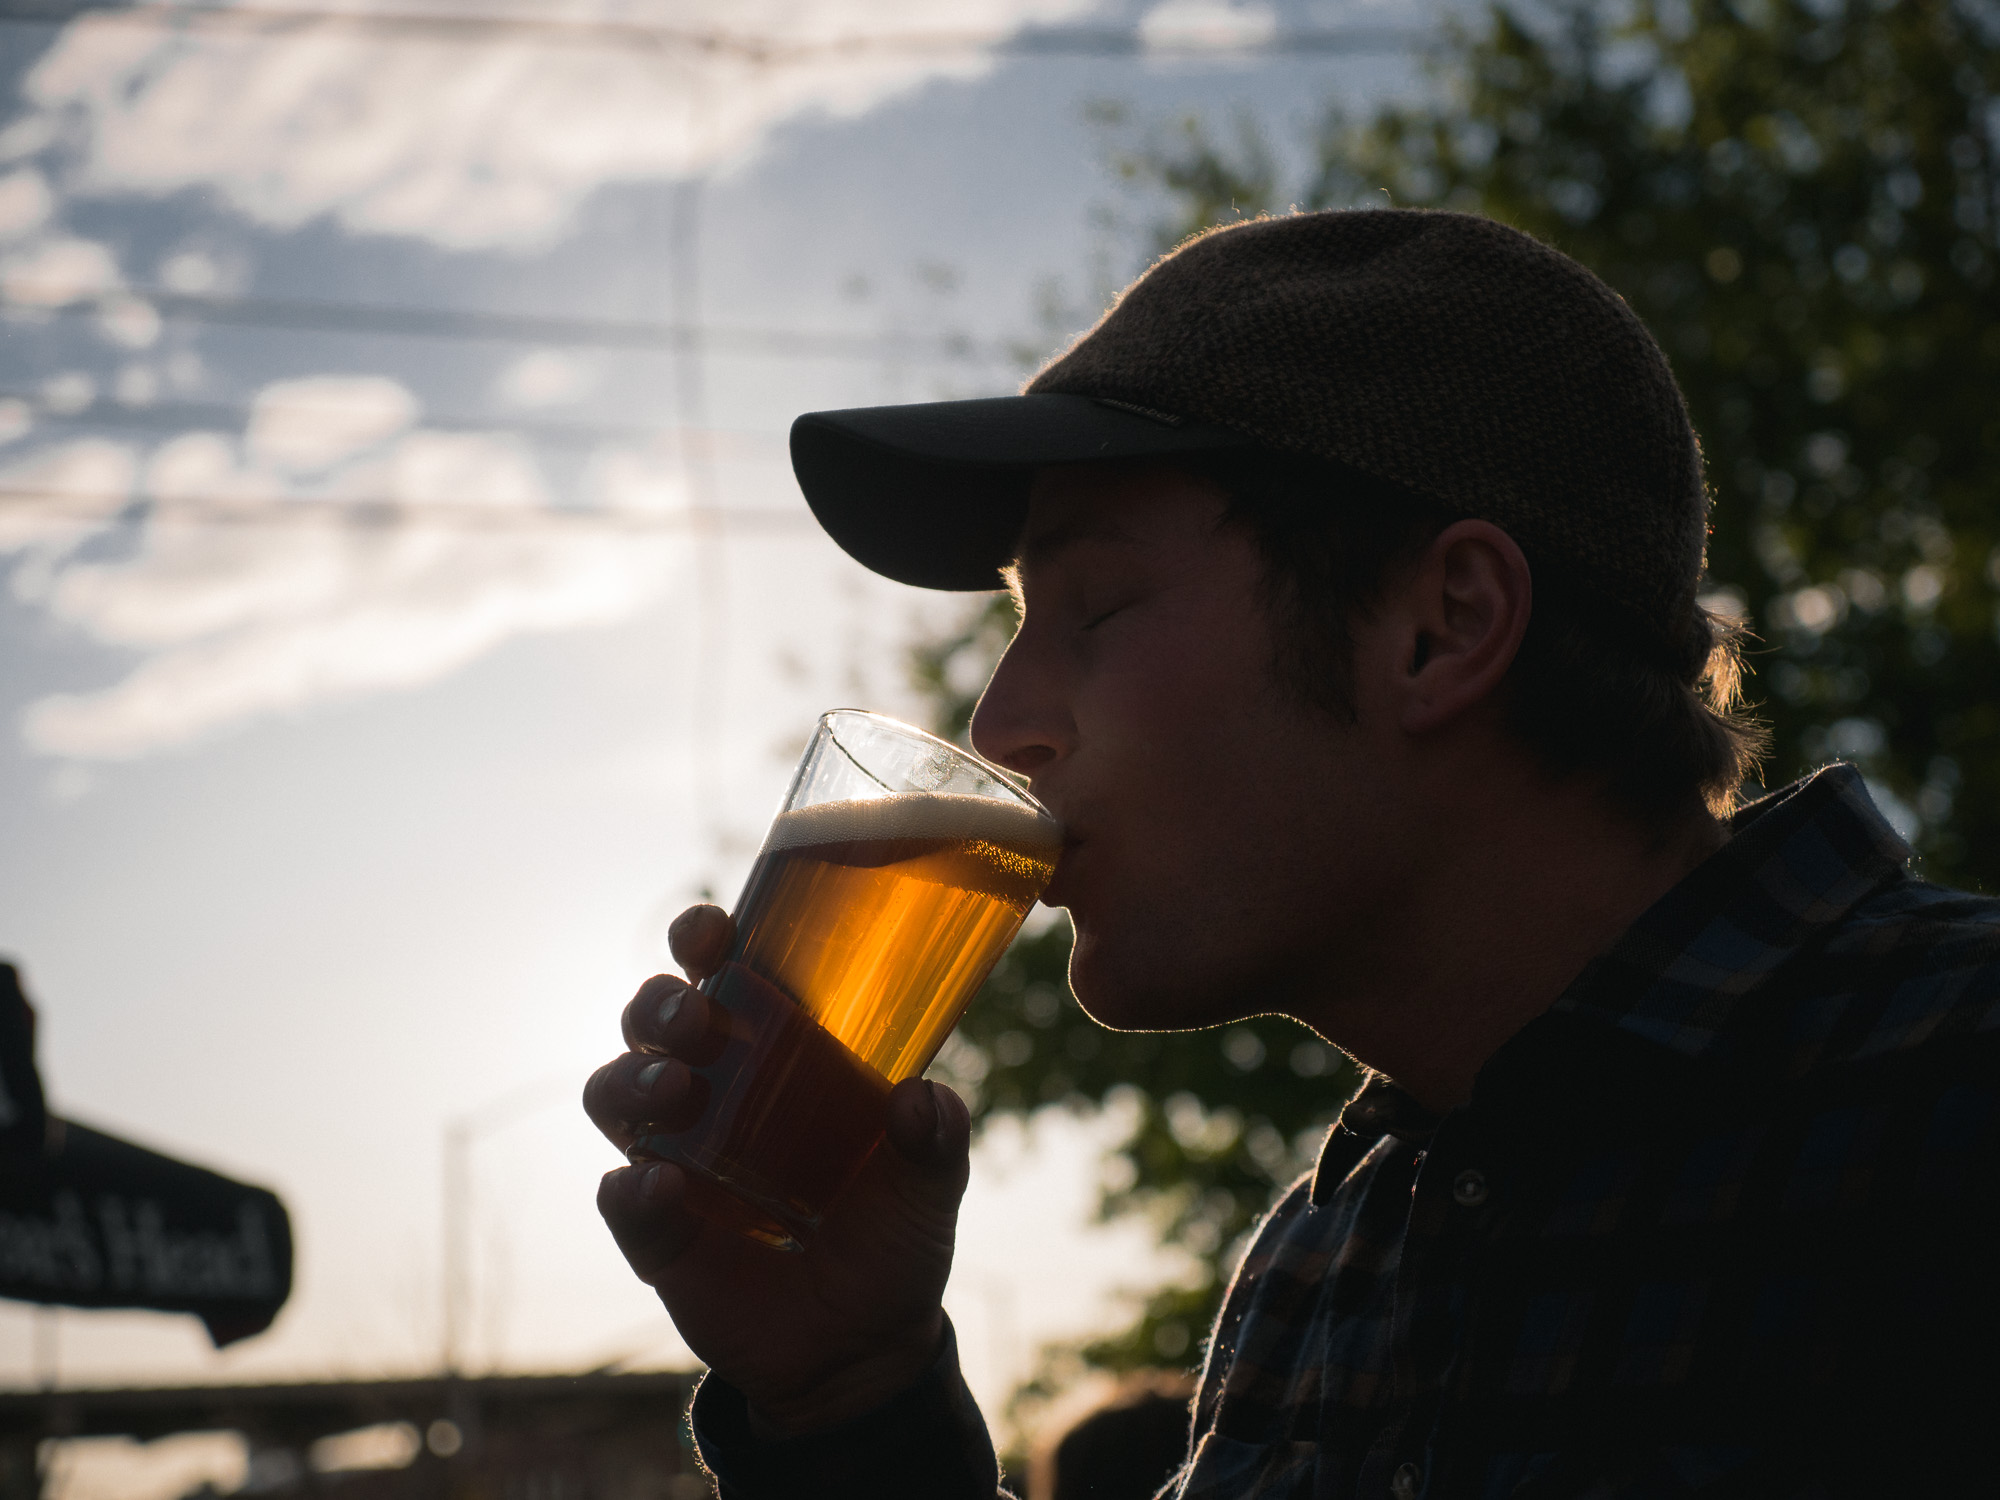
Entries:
{"x":1406,"y":1481}
{"x":1469,"y":1189}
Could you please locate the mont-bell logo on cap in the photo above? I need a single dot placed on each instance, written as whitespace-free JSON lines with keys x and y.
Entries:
{"x":1165,"y":418}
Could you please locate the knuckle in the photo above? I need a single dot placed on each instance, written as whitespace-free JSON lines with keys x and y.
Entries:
{"x":660,"y":1005}
{"x":635,"y":1021}
{"x":655,"y":990}
{"x":697,"y":930}
{"x":611,"y":1191}
{"x":609,"y":1096}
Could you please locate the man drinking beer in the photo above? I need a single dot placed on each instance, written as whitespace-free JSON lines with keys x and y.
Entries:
{"x":1361,"y":658}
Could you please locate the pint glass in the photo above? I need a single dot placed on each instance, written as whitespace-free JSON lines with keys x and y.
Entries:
{"x":897,"y":871}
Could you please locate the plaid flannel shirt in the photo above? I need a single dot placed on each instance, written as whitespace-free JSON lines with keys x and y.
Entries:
{"x":1720,"y":1222}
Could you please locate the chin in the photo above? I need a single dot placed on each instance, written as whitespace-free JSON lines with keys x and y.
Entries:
{"x":1144,"y":991}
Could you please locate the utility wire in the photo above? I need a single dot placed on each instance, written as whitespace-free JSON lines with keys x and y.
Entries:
{"x":108,"y":506}
{"x":210,"y":415}
{"x":311,"y":316}
{"x":750,"y":47}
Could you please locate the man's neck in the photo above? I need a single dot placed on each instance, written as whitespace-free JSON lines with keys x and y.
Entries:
{"x":1491,"y":935}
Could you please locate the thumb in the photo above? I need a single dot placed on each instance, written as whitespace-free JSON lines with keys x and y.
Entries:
{"x":931,"y":1129}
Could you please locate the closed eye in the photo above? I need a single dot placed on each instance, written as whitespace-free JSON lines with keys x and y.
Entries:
{"x":1097,"y":620}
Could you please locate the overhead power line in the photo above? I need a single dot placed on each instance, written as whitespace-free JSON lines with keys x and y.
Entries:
{"x":309,"y":316}
{"x":751,"y":47}
{"x":197,"y":415}
{"x":110,"y":507}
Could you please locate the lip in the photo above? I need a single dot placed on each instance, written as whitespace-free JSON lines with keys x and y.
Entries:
{"x":1065,"y":862}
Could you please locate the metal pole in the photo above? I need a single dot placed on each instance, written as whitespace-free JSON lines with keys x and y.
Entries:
{"x":457,"y":1150}
{"x":698,"y":477}
{"x":455,"y":1202}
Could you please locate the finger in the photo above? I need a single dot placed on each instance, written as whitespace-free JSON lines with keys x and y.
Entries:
{"x":671,"y":1017}
{"x":930,"y":1127}
{"x":642,"y":1207}
{"x":613,"y":1127}
{"x":926,"y":1165}
{"x":699,"y":939}
{"x":635,"y":1093}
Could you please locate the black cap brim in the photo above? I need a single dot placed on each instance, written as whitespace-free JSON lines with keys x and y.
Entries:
{"x":936,"y":493}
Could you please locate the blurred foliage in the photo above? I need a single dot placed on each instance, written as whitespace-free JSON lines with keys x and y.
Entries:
{"x":1800,"y":200}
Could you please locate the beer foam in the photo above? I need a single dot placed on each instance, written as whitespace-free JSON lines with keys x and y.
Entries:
{"x":918,"y":815}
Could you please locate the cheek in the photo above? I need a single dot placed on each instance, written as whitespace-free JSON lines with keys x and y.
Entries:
{"x":1169,"y":747}
{"x":1182,"y":717}
{"x":1201,"y":795}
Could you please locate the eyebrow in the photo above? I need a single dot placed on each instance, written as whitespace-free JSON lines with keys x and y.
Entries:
{"x":1062,"y":537}
{"x":1037,"y":552}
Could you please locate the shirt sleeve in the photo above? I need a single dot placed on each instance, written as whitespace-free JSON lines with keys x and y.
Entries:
{"x":929,"y":1443}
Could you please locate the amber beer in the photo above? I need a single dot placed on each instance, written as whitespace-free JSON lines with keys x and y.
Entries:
{"x":865,"y":928}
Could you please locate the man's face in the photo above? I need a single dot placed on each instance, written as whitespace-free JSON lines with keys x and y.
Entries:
{"x":1223,"y":835}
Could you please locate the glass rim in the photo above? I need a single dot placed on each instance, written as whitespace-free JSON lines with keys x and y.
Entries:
{"x":1014,"y":781}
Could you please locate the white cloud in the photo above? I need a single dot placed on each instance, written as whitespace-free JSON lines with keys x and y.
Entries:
{"x":309,"y":424}
{"x":61,"y":268}
{"x":1208,"y":23}
{"x":464,"y":468}
{"x":197,"y":465}
{"x":233,"y":609}
{"x":237,"y":613}
{"x":25,"y":203}
{"x":137,"y":385}
{"x":620,"y":479}
{"x":68,"y":392}
{"x":319,"y":611}
{"x":190,"y":271}
{"x":542,"y":377}
{"x":27,"y":136}
{"x":130,"y":322}
{"x":52,"y":501}
{"x":467,"y":142}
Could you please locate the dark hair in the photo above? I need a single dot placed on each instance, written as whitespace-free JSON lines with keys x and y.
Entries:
{"x":1661,"y":723}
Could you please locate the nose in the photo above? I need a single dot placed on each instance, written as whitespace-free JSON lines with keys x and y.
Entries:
{"x":1022,"y":721}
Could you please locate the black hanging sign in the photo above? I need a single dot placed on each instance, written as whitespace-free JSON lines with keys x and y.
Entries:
{"x":88,"y":1220}
{"x":23,"y":1116}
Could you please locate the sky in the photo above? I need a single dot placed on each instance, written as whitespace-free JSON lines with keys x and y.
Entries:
{"x":407,"y":604}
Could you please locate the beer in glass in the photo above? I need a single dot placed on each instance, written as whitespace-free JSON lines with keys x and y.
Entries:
{"x":897,"y":871}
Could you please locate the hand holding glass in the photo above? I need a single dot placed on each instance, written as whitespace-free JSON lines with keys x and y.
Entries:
{"x":895,"y":874}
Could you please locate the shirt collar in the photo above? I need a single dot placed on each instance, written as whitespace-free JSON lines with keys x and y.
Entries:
{"x":1379,"y":1109}
{"x":1796,"y":863}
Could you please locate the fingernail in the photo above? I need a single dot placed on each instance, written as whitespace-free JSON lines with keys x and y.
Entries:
{"x":650,"y":1075}
{"x":937,"y":1115}
{"x":649,"y":1182}
{"x":669,"y":1008}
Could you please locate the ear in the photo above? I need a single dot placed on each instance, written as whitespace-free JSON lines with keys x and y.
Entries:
{"x":1462,"y":619}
